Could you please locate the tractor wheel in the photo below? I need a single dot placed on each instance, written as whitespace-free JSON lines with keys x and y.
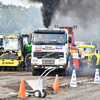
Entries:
{"x":28,"y":62}
{"x":37,"y":93}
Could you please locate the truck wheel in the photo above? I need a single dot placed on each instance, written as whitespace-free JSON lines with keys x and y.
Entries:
{"x":63,"y":72}
{"x":34,"y":72}
{"x":28,"y":62}
{"x":37,"y":93}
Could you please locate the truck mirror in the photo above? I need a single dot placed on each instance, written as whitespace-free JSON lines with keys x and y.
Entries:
{"x":69,"y":39}
{"x":97,"y":51}
{"x":74,"y":44}
{"x":30,"y":37}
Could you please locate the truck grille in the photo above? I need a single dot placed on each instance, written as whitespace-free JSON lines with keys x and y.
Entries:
{"x":48,"y":61}
{"x":55,"y":55}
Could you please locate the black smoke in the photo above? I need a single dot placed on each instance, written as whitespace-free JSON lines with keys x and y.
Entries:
{"x":48,"y":9}
{"x":86,"y":12}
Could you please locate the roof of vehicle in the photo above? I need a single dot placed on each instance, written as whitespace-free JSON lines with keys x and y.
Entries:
{"x":11,"y":36}
{"x":86,"y":46}
{"x":1,"y":36}
{"x":19,"y":34}
{"x":50,"y":30}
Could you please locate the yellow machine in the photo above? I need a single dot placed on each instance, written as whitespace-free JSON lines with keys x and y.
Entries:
{"x":11,"y":57}
{"x":90,"y":56}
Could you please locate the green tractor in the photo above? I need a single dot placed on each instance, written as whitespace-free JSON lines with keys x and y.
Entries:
{"x":27,"y":50}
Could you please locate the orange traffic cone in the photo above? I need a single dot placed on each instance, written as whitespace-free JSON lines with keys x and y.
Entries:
{"x":56,"y":84}
{"x":22,"y":89}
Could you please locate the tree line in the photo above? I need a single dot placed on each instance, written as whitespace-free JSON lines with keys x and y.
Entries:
{"x":14,"y":19}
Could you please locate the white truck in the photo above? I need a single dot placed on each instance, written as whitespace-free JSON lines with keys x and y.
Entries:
{"x":50,"y":49}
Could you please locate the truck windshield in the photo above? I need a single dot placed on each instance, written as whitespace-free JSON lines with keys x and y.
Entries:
{"x":86,"y":50}
{"x":49,"y":39}
{"x":11,"y":44}
{"x":1,"y":42}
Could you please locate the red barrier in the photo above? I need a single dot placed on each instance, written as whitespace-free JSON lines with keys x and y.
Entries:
{"x":76,"y":63}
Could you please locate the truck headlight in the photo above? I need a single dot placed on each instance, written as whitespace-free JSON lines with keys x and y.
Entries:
{"x":34,"y":60}
{"x":61,"y":60}
{"x":60,"y":66}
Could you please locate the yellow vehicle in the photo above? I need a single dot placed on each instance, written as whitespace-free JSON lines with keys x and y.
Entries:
{"x":11,"y":57}
{"x":91,"y":59}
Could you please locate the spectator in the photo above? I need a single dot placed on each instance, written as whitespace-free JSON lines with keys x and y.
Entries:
{"x":94,"y":60}
{"x":40,"y":38}
{"x":61,"y":39}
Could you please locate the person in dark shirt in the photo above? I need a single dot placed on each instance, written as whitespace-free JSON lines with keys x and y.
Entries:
{"x":94,"y":60}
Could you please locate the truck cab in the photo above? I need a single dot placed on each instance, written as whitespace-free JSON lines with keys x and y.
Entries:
{"x":49,"y":49}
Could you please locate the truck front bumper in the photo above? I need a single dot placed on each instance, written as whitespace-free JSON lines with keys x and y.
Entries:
{"x":49,"y":66}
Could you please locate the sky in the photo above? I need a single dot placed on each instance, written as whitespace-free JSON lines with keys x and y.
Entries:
{"x":64,"y":21}
{"x":17,"y":3}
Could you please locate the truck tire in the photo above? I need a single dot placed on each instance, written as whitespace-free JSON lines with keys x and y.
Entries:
{"x":28,"y":62}
{"x":63,"y":72}
{"x":34,"y":72}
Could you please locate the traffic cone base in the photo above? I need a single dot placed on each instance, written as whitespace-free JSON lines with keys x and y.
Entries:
{"x":73,"y":82}
{"x":22,"y":89}
{"x":97,"y":78}
{"x":56,"y":84}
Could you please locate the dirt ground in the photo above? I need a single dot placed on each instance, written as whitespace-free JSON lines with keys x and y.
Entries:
{"x":85,"y":90}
